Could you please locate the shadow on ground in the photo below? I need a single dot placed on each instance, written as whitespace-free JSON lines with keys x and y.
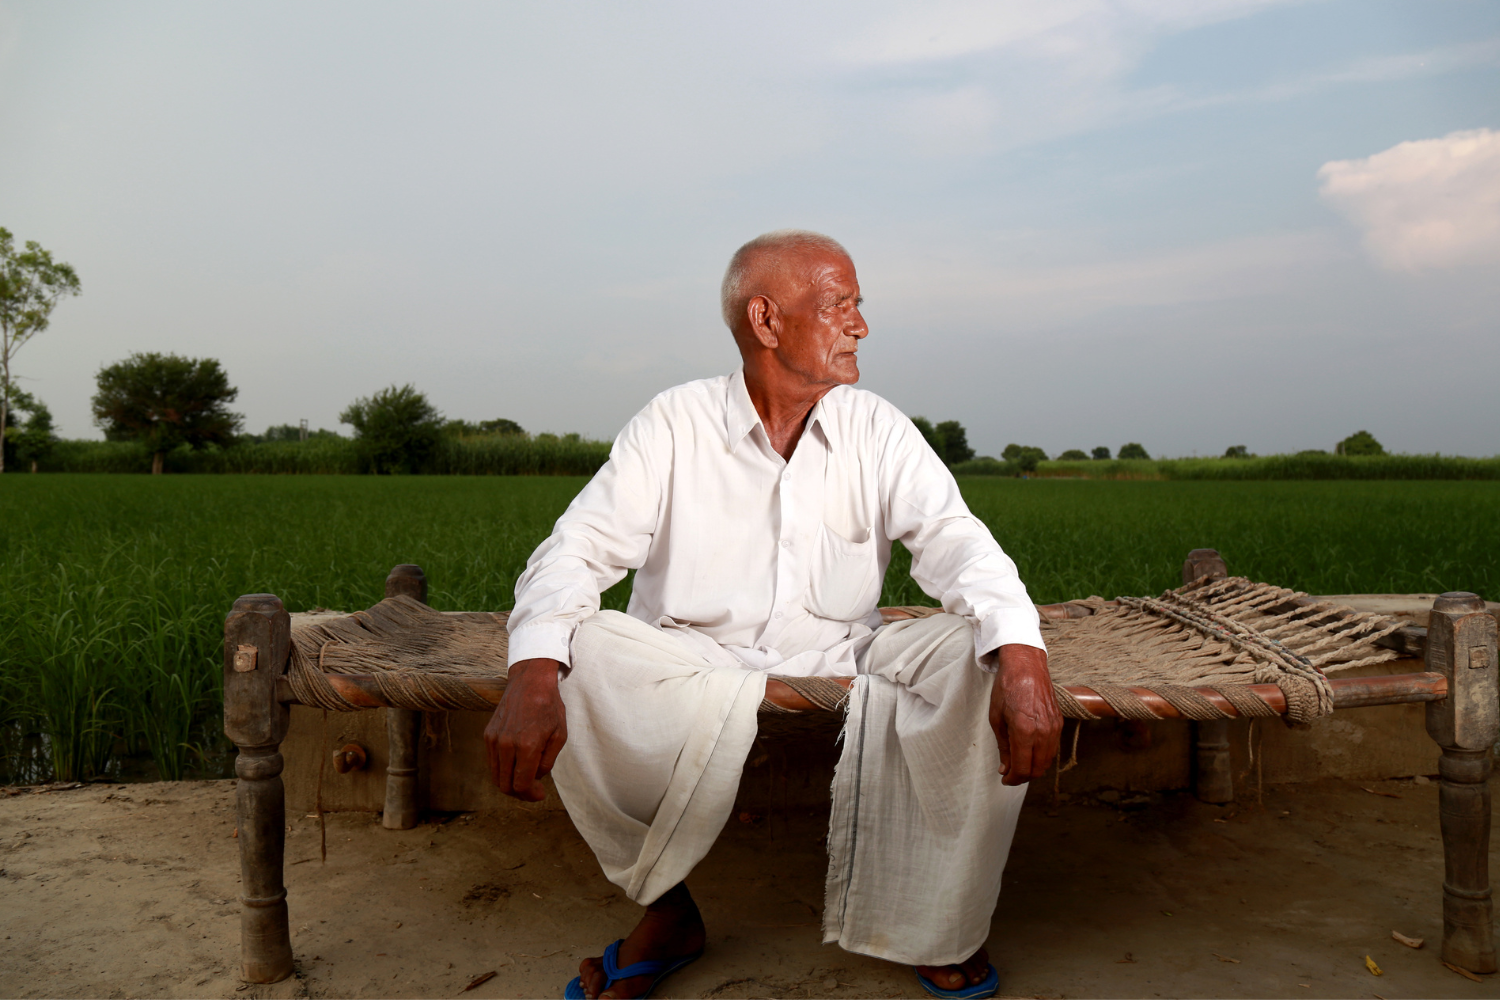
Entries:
{"x":128,"y":891}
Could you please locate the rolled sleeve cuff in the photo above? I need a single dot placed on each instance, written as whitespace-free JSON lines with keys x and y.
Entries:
{"x":1002,"y":628}
{"x":541,"y":640}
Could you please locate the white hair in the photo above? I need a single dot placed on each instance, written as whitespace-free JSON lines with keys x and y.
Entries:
{"x":736,"y":290}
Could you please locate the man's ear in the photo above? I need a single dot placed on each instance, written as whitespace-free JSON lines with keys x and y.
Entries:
{"x":765,"y":322}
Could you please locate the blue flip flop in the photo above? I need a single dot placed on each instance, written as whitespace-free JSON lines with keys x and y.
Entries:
{"x":660,"y":969}
{"x":986,"y":988}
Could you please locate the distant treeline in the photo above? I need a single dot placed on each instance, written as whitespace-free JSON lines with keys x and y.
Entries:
{"x":547,"y":455}
{"x":1304,"y":466}
{"x":487,"y":455}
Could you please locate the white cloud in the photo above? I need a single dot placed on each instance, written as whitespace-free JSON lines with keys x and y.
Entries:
{"x":1431,"y":203}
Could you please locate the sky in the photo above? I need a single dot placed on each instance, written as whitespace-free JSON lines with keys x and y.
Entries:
{"x":1186,"y":223}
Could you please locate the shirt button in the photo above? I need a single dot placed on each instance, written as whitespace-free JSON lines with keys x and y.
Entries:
{"x":787,"y":478}
{"x":786,"y":543}
{"x":778,"y":614}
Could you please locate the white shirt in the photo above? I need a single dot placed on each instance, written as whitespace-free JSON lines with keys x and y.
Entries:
{"x":759,"y":562}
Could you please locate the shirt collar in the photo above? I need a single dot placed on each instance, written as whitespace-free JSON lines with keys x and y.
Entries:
{"x":740,"y":416}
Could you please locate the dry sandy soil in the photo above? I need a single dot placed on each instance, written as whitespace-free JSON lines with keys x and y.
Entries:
{"x":129,"y":891}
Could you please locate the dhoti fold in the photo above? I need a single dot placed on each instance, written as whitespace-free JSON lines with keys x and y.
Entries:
{"x":920,"y":826}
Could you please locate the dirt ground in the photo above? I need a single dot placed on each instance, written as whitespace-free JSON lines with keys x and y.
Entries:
{"x":130,"y":891}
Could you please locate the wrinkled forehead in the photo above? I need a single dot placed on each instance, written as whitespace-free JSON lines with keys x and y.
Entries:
{"x":819,"y":272}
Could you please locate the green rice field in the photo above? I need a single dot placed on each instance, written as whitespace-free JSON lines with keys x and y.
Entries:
{"x":113,"y":589}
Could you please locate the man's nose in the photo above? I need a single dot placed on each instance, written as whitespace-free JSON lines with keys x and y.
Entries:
{"x":860,"y":330}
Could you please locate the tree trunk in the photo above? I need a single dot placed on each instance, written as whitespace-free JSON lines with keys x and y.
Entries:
{"x":4,"y":392}
{"x":33,"y":465}
{"x":158,"y":462}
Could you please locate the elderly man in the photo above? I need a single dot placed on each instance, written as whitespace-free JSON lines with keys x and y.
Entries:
{"x":758,"y":510}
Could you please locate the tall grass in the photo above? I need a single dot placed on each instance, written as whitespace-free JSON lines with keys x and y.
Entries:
{"x":485,"y":455}
{"x":1269,"y":467}
{"x":113,"y":588}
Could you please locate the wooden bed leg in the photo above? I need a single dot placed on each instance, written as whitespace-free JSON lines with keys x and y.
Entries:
{"x":1461,"y":646}
{"x":1213,"y":774}
{"x":257,"y":641}
{"x":403,"y":726}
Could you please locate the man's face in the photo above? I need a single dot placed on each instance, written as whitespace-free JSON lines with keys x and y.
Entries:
{"x":821,"y":323}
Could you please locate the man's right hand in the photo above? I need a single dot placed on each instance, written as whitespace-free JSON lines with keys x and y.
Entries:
{"x":528,"y":730}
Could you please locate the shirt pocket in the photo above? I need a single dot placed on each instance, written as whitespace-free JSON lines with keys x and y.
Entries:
{"x":845,"y":582}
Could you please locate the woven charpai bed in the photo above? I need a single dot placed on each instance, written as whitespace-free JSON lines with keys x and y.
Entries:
{"x":1196,"y":648}
{"x":1215,"y":649}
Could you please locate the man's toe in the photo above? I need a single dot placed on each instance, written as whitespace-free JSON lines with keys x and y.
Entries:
{"x":591,"y":974}
{"x":948,"y":977}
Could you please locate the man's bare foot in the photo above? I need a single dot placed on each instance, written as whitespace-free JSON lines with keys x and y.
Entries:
{"x":671,"y":928}
{"x":956,"y":977}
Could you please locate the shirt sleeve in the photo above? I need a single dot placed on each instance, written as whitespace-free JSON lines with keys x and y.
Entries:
{"x":605,"y":532}
{"x":954,"y":558}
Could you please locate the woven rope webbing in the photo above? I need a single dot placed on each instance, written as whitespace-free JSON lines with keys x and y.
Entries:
{"x":1223,"y":635}
{"x":417,"y":656}
{"x":1220,"y":634}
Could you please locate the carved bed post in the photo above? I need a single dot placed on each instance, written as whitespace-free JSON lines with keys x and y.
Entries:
{"x":1213,"y":774}
{"x":1461,"y":646}
{"x":257,"y":642}
{"x":403,"y":726}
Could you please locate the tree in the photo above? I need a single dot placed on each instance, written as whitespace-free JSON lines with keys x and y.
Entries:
{"x":30,"y":441}
{"x":948,"y":439}
{"x":501,"y":426}
{"x":1072,"y":455}
{"x":929,"y":434}
{"x":166,"y":400}
{"x":1236,"y":451}
{"x":1101,"y":454}
{"x":1359,"y":443}
{"x":397,"y":428}
{"x":31,"y":284}
{"x":1133,"y":450}
{"x":1024,"y":456}
{"x":955,"y":442}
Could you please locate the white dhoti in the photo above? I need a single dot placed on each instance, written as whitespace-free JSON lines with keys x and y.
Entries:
{"x":920,"y":827}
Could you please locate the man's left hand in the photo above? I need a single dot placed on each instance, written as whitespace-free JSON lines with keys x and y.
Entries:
{"x":1024,"y":714}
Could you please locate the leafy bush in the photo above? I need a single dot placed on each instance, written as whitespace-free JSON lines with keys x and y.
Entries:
{"x":1101,"y":454}
{"x":1237,"y":451}
{"x":1072,"y":455}
{"x":1132,"y":450}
